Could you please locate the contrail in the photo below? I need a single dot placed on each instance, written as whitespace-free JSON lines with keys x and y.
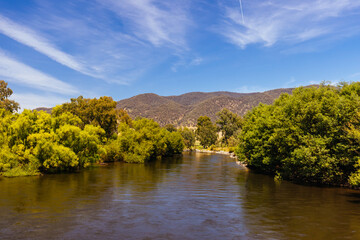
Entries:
{"x":242,"y":13}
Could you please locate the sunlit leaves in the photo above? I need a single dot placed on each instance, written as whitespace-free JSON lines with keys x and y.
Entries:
{"x":310,"y":136}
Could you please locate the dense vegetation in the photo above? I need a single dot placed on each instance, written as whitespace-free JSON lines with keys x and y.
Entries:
{"x":188,"y":136}
{"x":143,"y":140}
{"x":206,"y":131}
{"x":311,"y":136}
{"x":185,"y":109}
{"x":75,"y":135}
{"x":229,"y":124}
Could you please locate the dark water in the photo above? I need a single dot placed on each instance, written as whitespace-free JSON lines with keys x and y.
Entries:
{"x":197,"y":196}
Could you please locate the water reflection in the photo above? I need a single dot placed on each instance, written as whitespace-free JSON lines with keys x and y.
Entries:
{"x":288,"y":211}
{"x":194,"y":196}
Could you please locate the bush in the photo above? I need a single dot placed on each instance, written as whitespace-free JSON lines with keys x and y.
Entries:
{"x":306,"y":137}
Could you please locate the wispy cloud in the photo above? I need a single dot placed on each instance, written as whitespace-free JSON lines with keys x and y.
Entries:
{"x":14,"y":71}
{"x":158,"y":22}
{"x":250,"y":89}
{"x":290,"y":21}
{"x":32,"y":101}
{"x":33,"y":39}
{"x":186,"y":62}
{"x":355,"y":75}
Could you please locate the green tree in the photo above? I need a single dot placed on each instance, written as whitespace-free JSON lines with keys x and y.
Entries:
{"x":229,"y":123}
{"x":174,"y":143}
{"x":98,"y":112}
{"x":188,"y":136}
{"x":309,"y":136}
{"x":170,"y":127}
{"x":5,"y":102}
{"x":124,"y":117}
{"x":206,"y":131}
{"x":143,"y":141}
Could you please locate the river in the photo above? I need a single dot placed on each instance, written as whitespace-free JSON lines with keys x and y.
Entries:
{"x":194,"y":196}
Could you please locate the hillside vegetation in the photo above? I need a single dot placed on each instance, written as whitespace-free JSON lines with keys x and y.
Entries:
{"x":184,"y":110}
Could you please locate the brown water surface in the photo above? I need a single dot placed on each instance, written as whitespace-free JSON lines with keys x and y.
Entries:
{"x":194,"y":196}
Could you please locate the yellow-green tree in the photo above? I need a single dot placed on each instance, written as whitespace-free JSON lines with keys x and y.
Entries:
{"x":98,"y":112}
{"x":188,"y":136}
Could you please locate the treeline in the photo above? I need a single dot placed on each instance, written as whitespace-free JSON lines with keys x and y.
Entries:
{"x":75,"y":135}
{"x":311,"y":136}
{"x":223,"y":134}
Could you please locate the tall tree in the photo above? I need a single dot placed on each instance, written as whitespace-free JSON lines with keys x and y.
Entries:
{"x":170,"y":127}
{"x":311,"y":136}
{"x":228,"y":123}
{"x":206,"y":131}
{"x":188,"y":136}
{"x":124,"y":117}
{"x":5,"y":102}
{"x":98,"y":112}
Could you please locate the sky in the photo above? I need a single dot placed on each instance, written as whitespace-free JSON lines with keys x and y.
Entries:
{"x":51,"y":51}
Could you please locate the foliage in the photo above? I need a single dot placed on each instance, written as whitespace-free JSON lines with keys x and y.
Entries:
{"x":124,"y":117}
{"x":75,"y":135}
{"x":144,"y":140}
{"x":98,"y":112}
{"x":188,"y":136}
{"x":35,"y":142}
{"x":170,"y":127}
{"x":310,"y":136}
{"x":206,"y":131}
{"x":5,"y":102}
{"x":229,"y":123}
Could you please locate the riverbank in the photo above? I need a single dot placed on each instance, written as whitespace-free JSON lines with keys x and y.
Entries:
{"x":230,"y":154}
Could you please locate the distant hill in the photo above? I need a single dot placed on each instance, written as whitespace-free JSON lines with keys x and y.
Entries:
{"x":48,"y":110}
{"x":185,"y":109}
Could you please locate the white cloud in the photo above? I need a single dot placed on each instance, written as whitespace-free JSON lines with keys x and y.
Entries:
{"x":14,"y":71}
{"x":290,"y":83}
{"x":355,"y":75}
{"x":291,"y":21}
{"x":196,"y":61}
{"x":186,"y":62}
{"x":33,"y":39}
{"x":158,"y":22}
{"x":250,"y":89}
{"x":32,"y":101}
{"x":115,"y":41}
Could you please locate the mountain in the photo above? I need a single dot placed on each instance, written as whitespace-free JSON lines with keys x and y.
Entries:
{"x":185,"y":109}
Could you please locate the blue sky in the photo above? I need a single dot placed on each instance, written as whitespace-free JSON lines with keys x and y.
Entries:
{"x":51,"y":51}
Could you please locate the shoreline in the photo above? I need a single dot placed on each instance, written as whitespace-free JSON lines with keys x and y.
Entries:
{"x":230,"y":154}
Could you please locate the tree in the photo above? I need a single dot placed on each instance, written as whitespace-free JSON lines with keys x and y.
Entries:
{"x":311,"y":136}
{"x":229,"y":123}
{"x":5,"y":102}
{"x":188,"y":136}
{"x":170,"y":127}
{"x":206,"y":131}
{"x":123,"y":117}
{"x":145,"y":140}
{"x":98,"y":112}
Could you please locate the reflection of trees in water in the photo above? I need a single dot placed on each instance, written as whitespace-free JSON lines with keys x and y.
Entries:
{"x":145,"y":177}
{"x":52,"y":191}
{"x":27,"y":202}
{"x":283,"y":210}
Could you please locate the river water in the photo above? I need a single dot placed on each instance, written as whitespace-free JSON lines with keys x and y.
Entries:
{"x":194,"y":196}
